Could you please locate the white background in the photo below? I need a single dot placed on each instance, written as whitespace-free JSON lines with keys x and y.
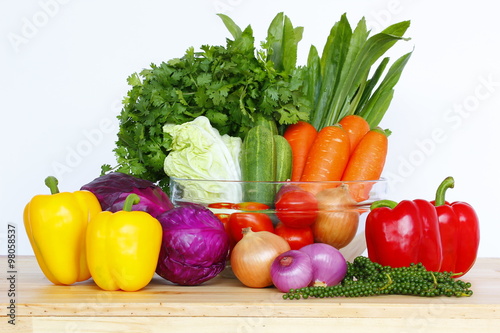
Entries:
{"x":64,"y":66}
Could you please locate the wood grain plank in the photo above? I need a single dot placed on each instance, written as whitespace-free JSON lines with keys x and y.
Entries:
{"x":222,"y":297}
{"x":258,"y":325}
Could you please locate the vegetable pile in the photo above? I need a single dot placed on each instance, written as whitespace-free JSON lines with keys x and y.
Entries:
{"x":275,"y":162}
{"x":238,"y":87}
{"x":241,"y":113}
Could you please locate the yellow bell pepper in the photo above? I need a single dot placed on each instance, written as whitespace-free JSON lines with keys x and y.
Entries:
{"x":123,"y":247}
{"x":56,"y":225}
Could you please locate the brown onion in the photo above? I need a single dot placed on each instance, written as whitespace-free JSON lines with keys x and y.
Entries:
{"x":252,"y":256}
{"x":338,"y":217}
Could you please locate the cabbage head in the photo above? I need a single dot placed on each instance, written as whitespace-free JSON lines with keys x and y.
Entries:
{"x":199,"y":152}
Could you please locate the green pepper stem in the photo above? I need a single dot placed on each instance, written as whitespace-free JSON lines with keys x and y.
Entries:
{"x":383,"y":203}
{"x":132,"y":199}
{"x":447,"y":183}
{"x":52,"y":183}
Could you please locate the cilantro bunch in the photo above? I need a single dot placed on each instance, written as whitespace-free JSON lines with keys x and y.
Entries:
{"x":231,"y":85}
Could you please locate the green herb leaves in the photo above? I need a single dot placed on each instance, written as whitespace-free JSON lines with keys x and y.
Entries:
{"x":230,"y":85}
{"x":338,"y":80}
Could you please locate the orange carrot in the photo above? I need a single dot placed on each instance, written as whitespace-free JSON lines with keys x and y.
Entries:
{"x":327,"y":157}
{"x":356,"y":127}
{"x":366,"y":163}
{"x":300,"y":136}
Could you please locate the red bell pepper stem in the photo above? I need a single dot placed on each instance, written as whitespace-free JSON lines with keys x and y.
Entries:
{"x":132,"y":199}
{"x":459,"y":232}
{"x":383,"y":203}
{"x":447,"y":183}
{"x":52,"y":183}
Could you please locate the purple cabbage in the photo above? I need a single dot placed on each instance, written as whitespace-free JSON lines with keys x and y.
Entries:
{"x":113,"y":188}
{"x":195,"y":245}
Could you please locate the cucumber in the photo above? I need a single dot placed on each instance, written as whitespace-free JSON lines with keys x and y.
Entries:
{"x":258,"y":163}
{"x":270,"y":124}
{"x":283,"y":158}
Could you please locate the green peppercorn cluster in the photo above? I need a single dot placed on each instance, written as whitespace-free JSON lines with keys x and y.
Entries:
{"x":367,"y":278}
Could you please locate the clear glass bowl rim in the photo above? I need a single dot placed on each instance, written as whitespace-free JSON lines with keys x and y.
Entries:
{"x":381,"y":180}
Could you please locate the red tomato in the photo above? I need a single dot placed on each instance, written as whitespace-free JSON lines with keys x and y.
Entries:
{"x":221,"y":205}
{"x":257,"y":221}
{"x":224,"y":218}
{"x":296,"y":237}
{"x":297,"y":208}
{"x":250,"y":206}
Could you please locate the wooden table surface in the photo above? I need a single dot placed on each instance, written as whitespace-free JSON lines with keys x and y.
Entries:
{"x":225,"y":305}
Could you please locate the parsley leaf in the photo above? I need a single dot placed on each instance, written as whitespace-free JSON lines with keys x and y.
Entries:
{"x":230,"y":85}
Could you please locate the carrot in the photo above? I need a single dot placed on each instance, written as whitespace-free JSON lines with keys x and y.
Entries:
{"x":356,"y":127}
{"x":300,"y":136}
{"x":327,"y":157}
{"x":366,"y":163}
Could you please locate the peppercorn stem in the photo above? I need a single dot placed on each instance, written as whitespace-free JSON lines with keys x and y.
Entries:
{"x":132,"y":199}
{"x":434,"y":284}
{"x":434,"y":279}
{"x":52,"y":183}
{"x":389,"y":282}
{"x":462,"y":294}
{"x":383,"y":203}
{"x":447,"y":183}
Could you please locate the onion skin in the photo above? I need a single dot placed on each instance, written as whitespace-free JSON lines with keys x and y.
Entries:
{"x":253,"y":255}
{"x":329,"y":265}
{"x":338,"y":219}
{"x":292,"y":269}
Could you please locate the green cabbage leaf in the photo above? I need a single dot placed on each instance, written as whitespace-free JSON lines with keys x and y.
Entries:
{"x":203,"y":162}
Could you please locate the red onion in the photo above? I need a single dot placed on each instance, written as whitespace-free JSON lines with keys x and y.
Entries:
{"x":291,"y":270}
{"x":329,"y":265}
{"x":286,"y":188}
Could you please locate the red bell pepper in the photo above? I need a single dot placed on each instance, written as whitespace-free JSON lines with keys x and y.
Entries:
{"x":459,"y":229}
{"x":442,"y":236}
{"x":400,"y":234}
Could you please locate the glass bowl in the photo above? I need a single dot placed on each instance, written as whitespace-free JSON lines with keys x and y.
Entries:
{"x":342,"y":206}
